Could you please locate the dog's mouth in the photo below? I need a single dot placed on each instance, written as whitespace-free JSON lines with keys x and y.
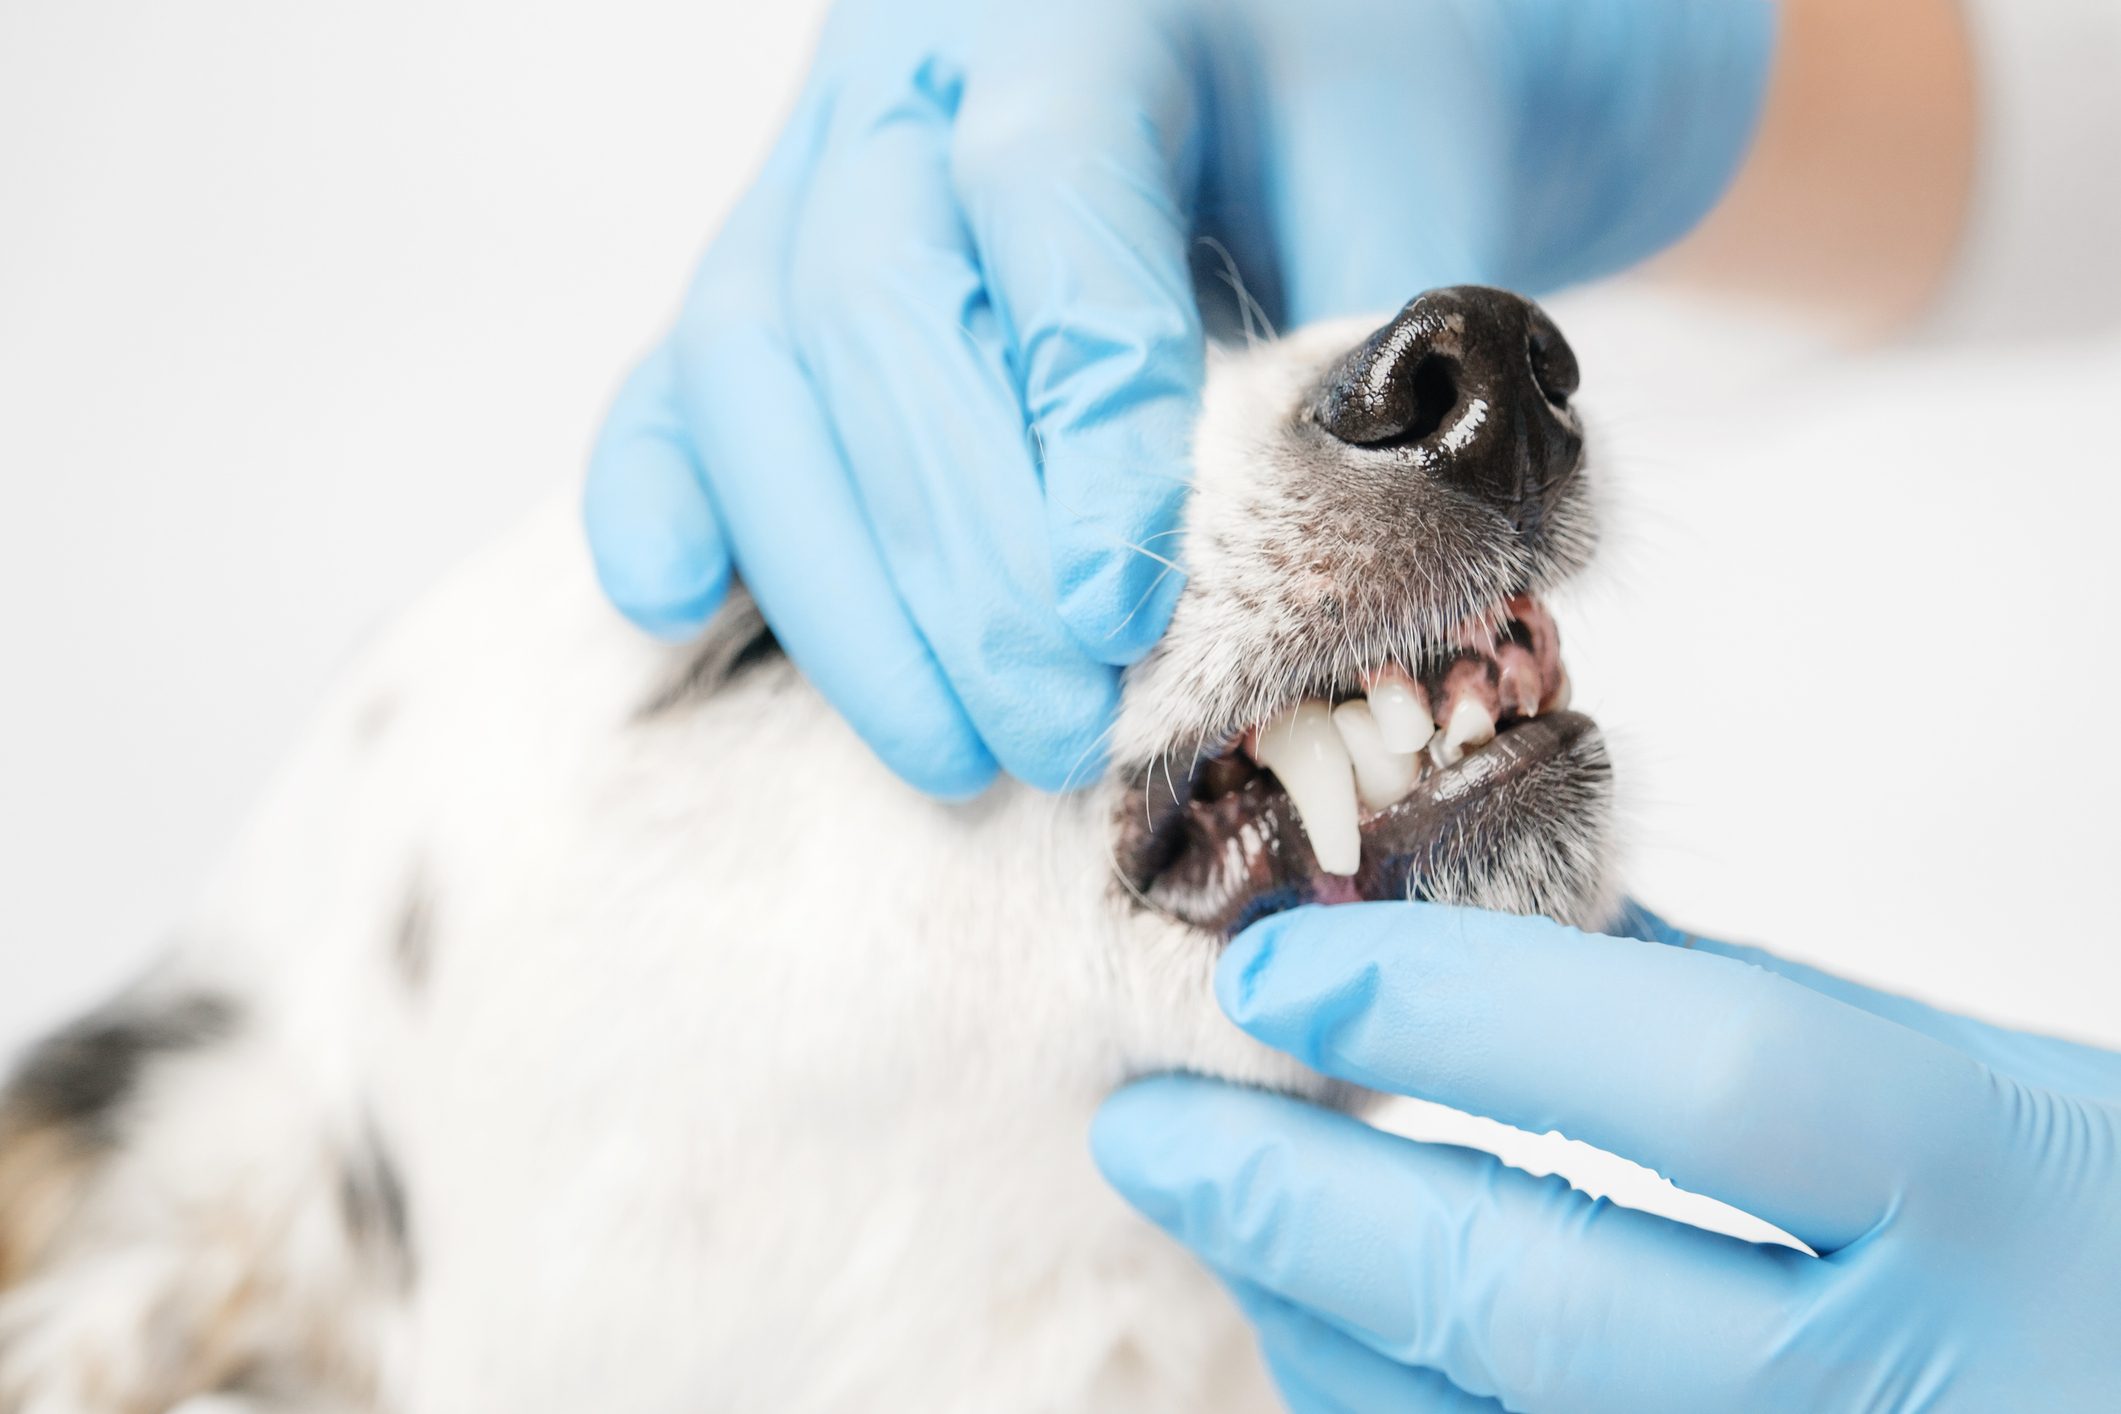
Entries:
{"x":1423,"y":780}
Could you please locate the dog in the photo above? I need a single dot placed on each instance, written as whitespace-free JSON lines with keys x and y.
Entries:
{"x":586,"y":1022}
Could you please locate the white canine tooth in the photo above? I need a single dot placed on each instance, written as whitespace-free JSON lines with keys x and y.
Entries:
{"x":1471,"y":725}
{"x":1306,"y":755}
{"x":1382,"y":776}
{"x":1403,"y":722}
{"x":1517,"y":679}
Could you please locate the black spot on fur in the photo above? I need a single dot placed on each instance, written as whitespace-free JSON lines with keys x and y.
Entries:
{"x":373,"y":1205}
{"x":737,"y":643}
{"x":412,"y":941}
{"x":80,"y":1078}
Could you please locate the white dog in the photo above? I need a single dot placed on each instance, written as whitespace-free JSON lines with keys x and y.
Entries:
{"x":590,"y":1024}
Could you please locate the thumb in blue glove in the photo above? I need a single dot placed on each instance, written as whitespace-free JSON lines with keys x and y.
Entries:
{"x":1961,"y":1184}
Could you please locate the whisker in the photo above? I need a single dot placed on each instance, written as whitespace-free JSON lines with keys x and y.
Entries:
{"x":1082,"y":759}
{"x":1120,"y":542}
{"x":1249,"y":309}
{"x":1168,"y":569}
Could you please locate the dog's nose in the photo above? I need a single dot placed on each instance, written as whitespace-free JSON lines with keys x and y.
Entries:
{"x":1477,"y":379}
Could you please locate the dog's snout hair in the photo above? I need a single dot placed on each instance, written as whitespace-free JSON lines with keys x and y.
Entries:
{"x":1360,"y":491}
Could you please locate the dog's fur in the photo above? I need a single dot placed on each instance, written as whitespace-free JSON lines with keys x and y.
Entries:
{"x":585,"y":1023}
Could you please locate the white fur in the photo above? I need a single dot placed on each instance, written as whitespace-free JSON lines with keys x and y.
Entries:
{"x":738,"y":1075}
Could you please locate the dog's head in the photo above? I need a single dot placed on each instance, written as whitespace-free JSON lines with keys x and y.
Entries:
{"x":1360,"y":695}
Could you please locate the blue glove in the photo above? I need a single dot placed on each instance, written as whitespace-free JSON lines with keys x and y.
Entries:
{"x":1960,"y":1183}
{"x":931,"y":388}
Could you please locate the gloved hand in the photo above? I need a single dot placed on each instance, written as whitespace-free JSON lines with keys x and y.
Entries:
{"x":1960,"y":1183}
{"x":931,"y":388}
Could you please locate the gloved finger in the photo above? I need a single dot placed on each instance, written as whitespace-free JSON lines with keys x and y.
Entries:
{"x":1450,"y":227}
{"x":1632,"y":118}
{"x":1515,"y":1288}
{"x":1320,"y":1370}
{"x":1067,"y":161}
{"x":800,"y":534}
{"x":907,"y":358}
{"x":1726,"y":1079}
{"x":2045,"y":1061}
{"x":659,"y":552}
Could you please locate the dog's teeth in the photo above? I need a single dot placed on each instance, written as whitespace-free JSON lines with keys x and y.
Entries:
{"x":1382,"y":776}
{"x":1471,"y":725}
{"x":1518,"y":679}
{"x":1305,"y":754}
{"x":1403,"y":720}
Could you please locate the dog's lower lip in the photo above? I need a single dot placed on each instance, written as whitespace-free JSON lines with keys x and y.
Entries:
{"x":1516,"y":747}
{"x":1223,"y":864}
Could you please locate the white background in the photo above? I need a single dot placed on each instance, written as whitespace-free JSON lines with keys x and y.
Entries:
{"x":299,"y":303}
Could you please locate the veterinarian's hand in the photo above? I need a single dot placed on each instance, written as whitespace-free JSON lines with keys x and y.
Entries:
{"x":1961,"y":1183}
{"x":930,"y":392}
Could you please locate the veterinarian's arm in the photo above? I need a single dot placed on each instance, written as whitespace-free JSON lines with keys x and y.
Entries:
{"x":1854,"y":198}
{"x":1960,"y":1183}
{"x":1947,"y":162}
{"x":930,"y":391}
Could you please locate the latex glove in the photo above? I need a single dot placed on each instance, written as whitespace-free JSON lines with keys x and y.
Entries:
{"x":1960,"y":1183}
{"x":930,"y":391}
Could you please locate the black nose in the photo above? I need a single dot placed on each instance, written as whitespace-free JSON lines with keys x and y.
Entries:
{"x":1479,"y":381}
